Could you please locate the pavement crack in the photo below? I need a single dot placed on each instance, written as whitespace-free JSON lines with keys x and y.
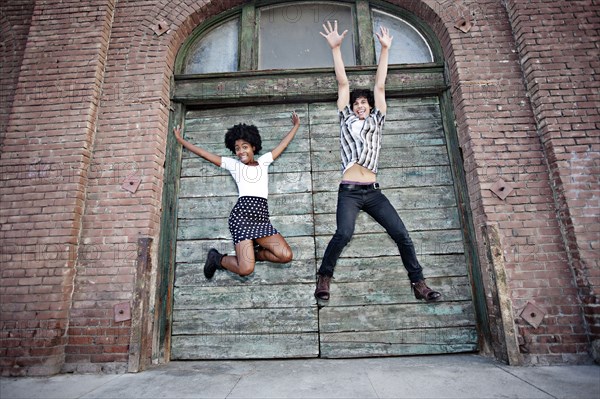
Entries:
{"x":526,"y":382}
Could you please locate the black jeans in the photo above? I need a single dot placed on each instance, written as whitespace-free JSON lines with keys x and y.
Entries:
{"x":351,"y":200}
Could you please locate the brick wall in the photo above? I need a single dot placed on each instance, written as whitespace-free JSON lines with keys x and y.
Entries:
{"x":15,"y":19}
{"x":560,"y":57}
{"x":129,"y":143}
{"x":45,"y":159}
{"x":90,"y":109}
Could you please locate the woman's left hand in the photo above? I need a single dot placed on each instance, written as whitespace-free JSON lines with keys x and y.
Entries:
{"x":295,"y":119}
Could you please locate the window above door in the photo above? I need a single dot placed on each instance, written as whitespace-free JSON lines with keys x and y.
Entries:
{"x":264,"y":36}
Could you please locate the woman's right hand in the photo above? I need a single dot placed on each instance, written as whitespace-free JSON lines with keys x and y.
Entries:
{"x":331,"y":34}
{"x":177,"y":131}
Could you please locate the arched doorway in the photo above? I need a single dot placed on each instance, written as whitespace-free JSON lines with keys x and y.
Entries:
{"x":249,"y":66}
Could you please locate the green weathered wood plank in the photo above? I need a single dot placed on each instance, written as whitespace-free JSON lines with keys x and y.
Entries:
{"x":424,"y":198}
{"x":409,"y":109}
{"x":287,"y":162}
{"x":414,"y":220}
{"x":298,"y":86}
{"x":215,"y":142}
{"x":392,"y":101}
{"x":297,"y":145}
{"x":380,"y":244}
{"x":394,"y":291}
{"x":265,"y":273}
{"x":247,"y":34}
{"x":408,"y":157}
{"x":218,"y":207}
{"x":279,"y":183}
{"x":409,"y":336}
{"x":399,"y":342}
{"x":269,"y":115}
{"x":211,"y":228}
{"x":480,"y":297}
{"x":391,"y":268}
{"x":390,"y":140}
{"x":292,"y":295}
{"x":394,"y":317}
{"x":168,"y":229}
{"x":415,"y":178}
{"x":345,"y":351}
{"x":365,"y":33}
{"x":250,"y":321}
{"x":242,"y":346}
{"x":194,"y":251}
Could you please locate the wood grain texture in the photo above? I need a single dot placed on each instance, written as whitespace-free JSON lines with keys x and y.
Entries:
{"x":372,"y":312}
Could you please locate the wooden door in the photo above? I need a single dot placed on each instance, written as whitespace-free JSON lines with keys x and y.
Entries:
{"x":272,"y":313}
{"x":372,"y":311}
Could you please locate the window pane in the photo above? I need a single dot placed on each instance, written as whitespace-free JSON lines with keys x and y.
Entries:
{"x":289,"y":35}
{"x":408,"y":46}
{"x":216,"y":51}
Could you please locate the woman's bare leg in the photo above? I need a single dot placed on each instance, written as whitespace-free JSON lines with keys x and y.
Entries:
{"x":274,"y":249}
{"x":243,"y":261}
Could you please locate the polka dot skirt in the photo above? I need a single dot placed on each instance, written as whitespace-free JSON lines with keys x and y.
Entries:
{"x":249,"y":219}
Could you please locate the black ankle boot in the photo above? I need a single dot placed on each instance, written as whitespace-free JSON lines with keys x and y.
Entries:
{"x":213,"y":262}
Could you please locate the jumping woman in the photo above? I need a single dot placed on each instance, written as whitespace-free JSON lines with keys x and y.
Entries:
{"x":254,"y":236}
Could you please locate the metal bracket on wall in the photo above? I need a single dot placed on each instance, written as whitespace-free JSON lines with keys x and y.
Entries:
{"x":122,"y":312}
{"x":131,"y":183}
{"x":502,"y":189}
{"x":160,"y":27}
{"x":464,"y":25}
{"x":533,"y":315}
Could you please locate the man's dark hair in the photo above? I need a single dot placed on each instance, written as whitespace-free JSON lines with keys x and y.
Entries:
{"x":244,"y":132}
{"x":368,"y":94}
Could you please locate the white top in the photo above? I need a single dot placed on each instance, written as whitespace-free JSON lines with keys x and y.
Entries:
{"x":251,"y":181}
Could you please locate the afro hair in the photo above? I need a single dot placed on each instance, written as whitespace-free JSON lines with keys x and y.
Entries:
{"x":368,"y":94}
{"x":244,"y":132}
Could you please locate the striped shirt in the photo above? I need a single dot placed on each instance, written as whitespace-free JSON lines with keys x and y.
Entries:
{"x":360,"y":140}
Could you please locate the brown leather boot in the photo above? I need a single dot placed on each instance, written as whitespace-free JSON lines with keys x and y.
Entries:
{"x":422,"y":291}
{"x":322,"y":291}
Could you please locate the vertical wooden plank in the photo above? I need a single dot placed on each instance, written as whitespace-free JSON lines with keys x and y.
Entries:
{"x":140,"y":342}
{"x":167,"y":241}
{"x":247,"y":37}
{"x":462,"y":196}
{"x":366,"y":55}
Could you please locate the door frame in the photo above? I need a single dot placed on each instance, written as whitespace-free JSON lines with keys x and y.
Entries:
{"x":218,"y":90}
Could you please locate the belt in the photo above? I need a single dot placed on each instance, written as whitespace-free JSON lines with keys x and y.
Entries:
{"x":374,"y":186}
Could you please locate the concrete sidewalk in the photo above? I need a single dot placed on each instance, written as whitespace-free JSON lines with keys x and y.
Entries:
{"x":450,"y":376}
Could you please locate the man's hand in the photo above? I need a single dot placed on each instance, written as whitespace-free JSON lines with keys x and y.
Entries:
{"x":331,"y":34}
{"x":384,"y":37}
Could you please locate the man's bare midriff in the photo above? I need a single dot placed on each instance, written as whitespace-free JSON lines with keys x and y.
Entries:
{"x":359,"y":174}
